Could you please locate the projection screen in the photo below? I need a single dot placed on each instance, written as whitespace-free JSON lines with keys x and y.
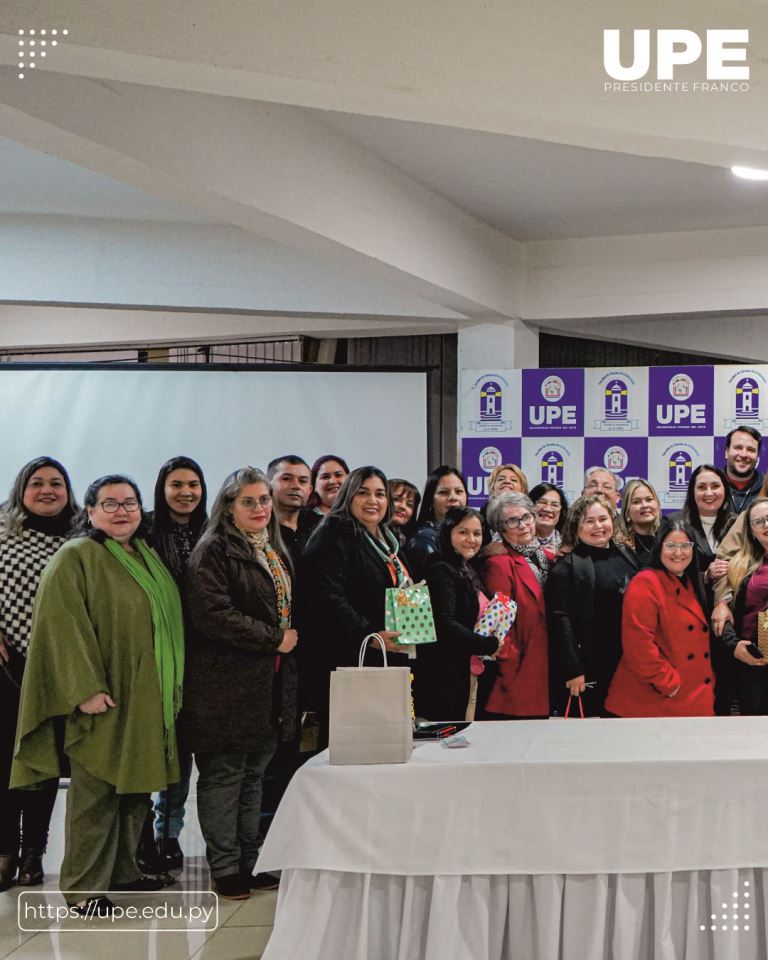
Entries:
{"x":100,"y":419}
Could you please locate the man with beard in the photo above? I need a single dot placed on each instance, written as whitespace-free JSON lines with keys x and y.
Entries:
{"x":742,"y":452}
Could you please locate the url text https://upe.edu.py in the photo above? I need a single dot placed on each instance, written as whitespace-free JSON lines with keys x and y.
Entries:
{"x":182,"y":911}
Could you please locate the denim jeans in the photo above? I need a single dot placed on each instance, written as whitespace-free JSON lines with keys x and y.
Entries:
{"x":229,"y":807}
{"x":173,"y":799}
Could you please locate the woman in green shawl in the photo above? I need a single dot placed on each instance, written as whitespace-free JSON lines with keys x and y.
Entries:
{"x":106,"y":654}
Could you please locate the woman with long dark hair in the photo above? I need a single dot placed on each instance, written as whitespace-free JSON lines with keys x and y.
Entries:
{"x":34,"y":524}
{"x":442,"y":685}
{"x":177,"y":521}
{"x":240,"y":684}
{"x":106,"y":659}
{"x":665,"y":668}
{"x":445,"y":488}
{"x":349,"y":562}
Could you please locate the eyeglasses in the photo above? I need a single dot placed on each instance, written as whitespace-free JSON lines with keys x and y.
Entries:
{"x":250,"y":503}
{"x":112,"y":506}
{"x":678,"y":547}
{"x":606,"y":487}
{"x":515,"y":522}
{"x":548,"y":504}
{"x":759,"y":522}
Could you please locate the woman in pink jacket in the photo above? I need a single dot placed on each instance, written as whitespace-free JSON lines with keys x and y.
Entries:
{"x":665,"y":668}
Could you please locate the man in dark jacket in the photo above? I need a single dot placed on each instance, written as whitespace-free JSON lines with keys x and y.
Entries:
{"x":742,"y":452}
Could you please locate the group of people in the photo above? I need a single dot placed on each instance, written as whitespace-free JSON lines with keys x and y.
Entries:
{"x":133,"y":641}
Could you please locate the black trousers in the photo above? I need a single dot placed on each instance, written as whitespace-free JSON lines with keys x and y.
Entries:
{"x":26,"y":814}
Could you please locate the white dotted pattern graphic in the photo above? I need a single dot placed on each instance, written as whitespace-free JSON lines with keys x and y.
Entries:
{"x":29,"y":40}
{"x":739,"y":914}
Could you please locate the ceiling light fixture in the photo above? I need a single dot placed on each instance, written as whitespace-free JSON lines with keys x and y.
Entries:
{"x":749,"y":173}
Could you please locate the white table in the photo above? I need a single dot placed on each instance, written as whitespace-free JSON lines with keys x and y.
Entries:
{"x":546,"y":840}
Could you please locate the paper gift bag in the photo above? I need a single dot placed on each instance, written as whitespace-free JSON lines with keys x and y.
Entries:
{"x":762,"y":632}
{"x":370,"y":716}
{"x":408,"y":610}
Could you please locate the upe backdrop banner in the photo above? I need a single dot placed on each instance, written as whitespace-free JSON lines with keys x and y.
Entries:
{"x":652,"y":422}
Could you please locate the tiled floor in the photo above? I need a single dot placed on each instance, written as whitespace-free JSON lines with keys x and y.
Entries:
{"x":242,"y":934}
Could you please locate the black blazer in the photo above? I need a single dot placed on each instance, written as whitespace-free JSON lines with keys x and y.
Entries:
{"x":442,"y":674}
{"x":570,"y":601}
{"x":343,"y":584}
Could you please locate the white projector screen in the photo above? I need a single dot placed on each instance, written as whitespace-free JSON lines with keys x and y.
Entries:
{"x":99,"y":420}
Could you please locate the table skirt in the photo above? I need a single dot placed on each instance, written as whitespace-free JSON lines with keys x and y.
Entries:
{"x":335,"y":915}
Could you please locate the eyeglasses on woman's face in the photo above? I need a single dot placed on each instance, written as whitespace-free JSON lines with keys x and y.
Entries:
{"x":252,"y":503}
{"x":514,"y":523}
{"x":671,"y":547}
{"x":131,"y":505}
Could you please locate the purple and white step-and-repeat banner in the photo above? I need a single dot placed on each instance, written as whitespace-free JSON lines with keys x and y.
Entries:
{"x":652,"y":422}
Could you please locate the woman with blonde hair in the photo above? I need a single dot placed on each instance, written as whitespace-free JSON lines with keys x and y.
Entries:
{"x":584,"y":599}
{"x":748,"y":580}
{"x":506,"y":478}
{"x":640,"y":514}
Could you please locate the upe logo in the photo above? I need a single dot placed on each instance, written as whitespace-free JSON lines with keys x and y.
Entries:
{"x":615,"y":459}
{"x":680,"y":469}
{"x":747,"y":399}
{"x":490,"y":401}
{"x":677,"y":48}
{"x":490,"y":457}
{"x":693,"y":414}
{"x":553,"y":390}
{"x":552,"y":468}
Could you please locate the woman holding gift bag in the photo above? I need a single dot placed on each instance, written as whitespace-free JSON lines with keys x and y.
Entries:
{"x":748,"y":580}
{"x":521,"y":687}
{"x":443,"y":678}
{"x":350,"y":561}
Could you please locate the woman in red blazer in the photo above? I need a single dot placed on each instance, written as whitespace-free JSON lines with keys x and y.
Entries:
{"x":665,"y":668}
{"x":521,"y":687}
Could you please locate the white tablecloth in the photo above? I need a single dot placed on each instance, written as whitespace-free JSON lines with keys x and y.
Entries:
{"x":539,"y":796}
{"x":544,"y":840}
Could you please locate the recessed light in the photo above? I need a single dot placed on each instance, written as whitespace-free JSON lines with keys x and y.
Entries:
{"x":750,"y":173}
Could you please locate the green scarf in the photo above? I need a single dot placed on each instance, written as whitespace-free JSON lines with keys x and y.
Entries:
{"x":167,"y":626}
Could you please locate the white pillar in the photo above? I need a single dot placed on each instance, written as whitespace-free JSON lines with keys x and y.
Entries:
{"x":488,"y":346}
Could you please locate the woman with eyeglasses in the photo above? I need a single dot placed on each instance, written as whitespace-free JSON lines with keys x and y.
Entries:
{"x":550,"y":508}
{"x":516,"y":685}
{"x":240,"y":684}
{"x":665,"y":668}
{"x":748,"y":581}
{"x":106,"y":660}
{"x":584,"y":598}
{"x":35,"y":522}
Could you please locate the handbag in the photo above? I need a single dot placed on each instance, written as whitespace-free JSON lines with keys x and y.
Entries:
{"x":408,"y":610}
{"x":370,"y":712}
{"x":762,"y":632}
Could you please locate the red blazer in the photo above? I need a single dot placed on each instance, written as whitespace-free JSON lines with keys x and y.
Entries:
{"x":665,"y":642}
{"x":521,"y":688}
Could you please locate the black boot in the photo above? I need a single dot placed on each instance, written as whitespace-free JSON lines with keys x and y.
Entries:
{"x":8,"y":864}
{"x":31,"y":869}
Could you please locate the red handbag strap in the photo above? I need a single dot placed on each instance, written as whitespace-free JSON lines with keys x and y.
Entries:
{"x":568,"y":705}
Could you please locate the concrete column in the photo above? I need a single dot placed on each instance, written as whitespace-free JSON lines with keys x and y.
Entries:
{"x":486,"y":346}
